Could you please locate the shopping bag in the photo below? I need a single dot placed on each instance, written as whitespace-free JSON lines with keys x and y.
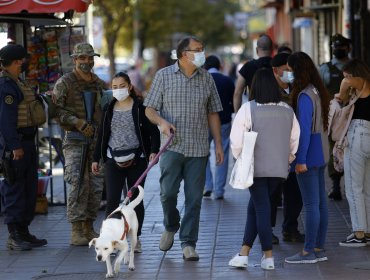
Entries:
{"x":242,"y":173}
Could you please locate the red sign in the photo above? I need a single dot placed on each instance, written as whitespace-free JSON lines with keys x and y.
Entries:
{"x":43,"y":6}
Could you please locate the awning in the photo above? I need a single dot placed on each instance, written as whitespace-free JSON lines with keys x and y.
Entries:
{"x":42,"y":6}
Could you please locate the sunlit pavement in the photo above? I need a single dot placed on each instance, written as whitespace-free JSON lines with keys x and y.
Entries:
{"x":221,"y":232}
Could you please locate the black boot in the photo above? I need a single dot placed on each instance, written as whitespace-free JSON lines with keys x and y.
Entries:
{"x":335,"y":192}
{"x":15,"y":240}
{"x":33,"y":240}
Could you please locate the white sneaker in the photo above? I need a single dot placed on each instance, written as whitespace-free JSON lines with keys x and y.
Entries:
{"x":267,"y":263}
{"x":239,"y":261}
{"x":138,"y":247}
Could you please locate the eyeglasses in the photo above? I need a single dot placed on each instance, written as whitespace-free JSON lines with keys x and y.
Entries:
{"x":199,"y":50}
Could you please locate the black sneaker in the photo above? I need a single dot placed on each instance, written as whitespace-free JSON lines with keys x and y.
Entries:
{"x":15,"y":242}
{"x":353,"y":241}
{"x":294,"y":236}
{"x":207,"y":194}
{"x":34,"y":241}
{"x":367,"y":239}
{"x":275,"y":239}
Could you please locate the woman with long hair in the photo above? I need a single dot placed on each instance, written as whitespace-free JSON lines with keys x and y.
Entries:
{"x":276,"y":144}
{"x":127,"y":141}
{"x":311,"y":104}
{"x":357,"y":153}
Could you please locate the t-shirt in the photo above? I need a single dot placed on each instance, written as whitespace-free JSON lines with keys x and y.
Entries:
{"x":250,"y":68}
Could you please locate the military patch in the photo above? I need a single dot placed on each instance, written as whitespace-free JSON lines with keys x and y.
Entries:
{"x":9,"y":99}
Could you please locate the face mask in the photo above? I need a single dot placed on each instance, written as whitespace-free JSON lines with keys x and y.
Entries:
{"x":285,"y":78}
{"x":120,"y":94}
{"x":340,"y":53}
{"x":24,"y":66}
{"x":199,"y":59}
{"x":290,"y":77}
{"x":86,"y":67}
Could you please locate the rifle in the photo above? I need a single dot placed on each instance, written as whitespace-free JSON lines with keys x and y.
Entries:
{"x":89,"y":101}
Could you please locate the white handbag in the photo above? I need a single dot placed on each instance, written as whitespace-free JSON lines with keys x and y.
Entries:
{"x":242,"y":173}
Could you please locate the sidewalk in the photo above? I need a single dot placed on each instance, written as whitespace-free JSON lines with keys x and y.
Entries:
{"x":221,"y":232}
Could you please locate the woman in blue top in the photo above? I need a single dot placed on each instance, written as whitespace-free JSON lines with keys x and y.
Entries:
{"x":311,"y":103}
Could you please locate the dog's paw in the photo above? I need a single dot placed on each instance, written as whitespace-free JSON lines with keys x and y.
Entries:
{"x":109,"y":275}
{"x":117,"y":268}
{"x":131,"y":267}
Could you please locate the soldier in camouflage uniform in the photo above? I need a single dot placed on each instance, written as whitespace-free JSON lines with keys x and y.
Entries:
{"x":79,"y":143}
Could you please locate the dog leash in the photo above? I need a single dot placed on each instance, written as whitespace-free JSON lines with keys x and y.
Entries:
{"x":151,"y":164}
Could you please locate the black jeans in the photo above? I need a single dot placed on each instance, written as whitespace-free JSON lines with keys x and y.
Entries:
{"x":259,"y":212}
{"x":292,"y":203}
{"x":122,"y":179}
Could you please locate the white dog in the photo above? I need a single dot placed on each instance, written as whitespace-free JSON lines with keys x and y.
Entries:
{"x":113,"y":236}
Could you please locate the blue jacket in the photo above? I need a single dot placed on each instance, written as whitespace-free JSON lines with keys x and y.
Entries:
{"x":10,"y":97}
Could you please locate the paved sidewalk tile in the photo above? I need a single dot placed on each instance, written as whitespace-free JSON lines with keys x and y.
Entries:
{"x":221,"y":231}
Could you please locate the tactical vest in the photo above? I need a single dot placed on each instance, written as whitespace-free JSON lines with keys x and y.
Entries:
{"x":75,"y":101}
{"x":336,"y":77}
{"x":26,"y":118}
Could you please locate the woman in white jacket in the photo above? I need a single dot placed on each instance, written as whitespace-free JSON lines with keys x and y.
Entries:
{"x":277,"y":141}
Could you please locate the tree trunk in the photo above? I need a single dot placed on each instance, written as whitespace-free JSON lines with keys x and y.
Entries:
{"x":111,"y":41}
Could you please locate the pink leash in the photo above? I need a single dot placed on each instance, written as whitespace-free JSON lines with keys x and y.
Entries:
{"x":151,"y":164}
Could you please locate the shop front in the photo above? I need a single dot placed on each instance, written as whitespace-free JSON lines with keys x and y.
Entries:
{"x":46,"y":29}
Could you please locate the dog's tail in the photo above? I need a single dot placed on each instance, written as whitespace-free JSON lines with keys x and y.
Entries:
{"x":138,"y":199}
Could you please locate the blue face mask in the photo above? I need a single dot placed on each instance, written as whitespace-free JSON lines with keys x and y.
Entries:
{"x":290,"y":77}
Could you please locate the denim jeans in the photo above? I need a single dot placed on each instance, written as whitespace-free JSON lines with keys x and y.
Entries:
{"x":218,"y":184}
{"x":312,"y":186}
{"x":259,"y":212}
{"x":357,"y":174}
{"x":175,"y":167}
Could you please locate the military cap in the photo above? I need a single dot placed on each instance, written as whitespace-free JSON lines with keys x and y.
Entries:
{"x":12,"y":52}
{"x":338,"y":40}
{"x":279,"y":59}
{"x":84,"y":49}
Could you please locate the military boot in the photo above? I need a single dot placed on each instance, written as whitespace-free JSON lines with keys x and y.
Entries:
{"x":88,"y":229}
{"x":32,"y":239}
{"x":16,"y":242}
{"x":335,"y":192}
{"x":77,"y":237}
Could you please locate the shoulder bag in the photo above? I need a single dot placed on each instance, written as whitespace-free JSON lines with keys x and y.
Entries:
{"x":242,"y":173}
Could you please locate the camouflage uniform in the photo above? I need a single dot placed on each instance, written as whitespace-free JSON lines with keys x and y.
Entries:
{"x":68,"y":98}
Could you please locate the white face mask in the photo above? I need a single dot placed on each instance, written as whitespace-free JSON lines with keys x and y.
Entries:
{"x":120,"y":93}
{"x":290,"y":77}
{"x":285,"y":77}
{"x":199,"y":59}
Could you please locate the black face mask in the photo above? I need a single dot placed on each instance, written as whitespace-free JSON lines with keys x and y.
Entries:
{"x":340,"y":53}
{"x":24,"y":67}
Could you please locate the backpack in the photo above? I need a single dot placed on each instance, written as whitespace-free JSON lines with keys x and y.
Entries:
{"x":339,"y":120}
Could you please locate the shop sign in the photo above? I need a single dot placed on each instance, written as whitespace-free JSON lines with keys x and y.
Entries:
{"x":43,"y":6}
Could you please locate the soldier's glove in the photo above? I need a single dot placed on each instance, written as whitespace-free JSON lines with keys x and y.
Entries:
{"x":85,"y":128}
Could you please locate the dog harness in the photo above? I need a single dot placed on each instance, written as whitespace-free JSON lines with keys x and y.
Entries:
{"x":127,"y":228}
{"x":119,"y":215}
